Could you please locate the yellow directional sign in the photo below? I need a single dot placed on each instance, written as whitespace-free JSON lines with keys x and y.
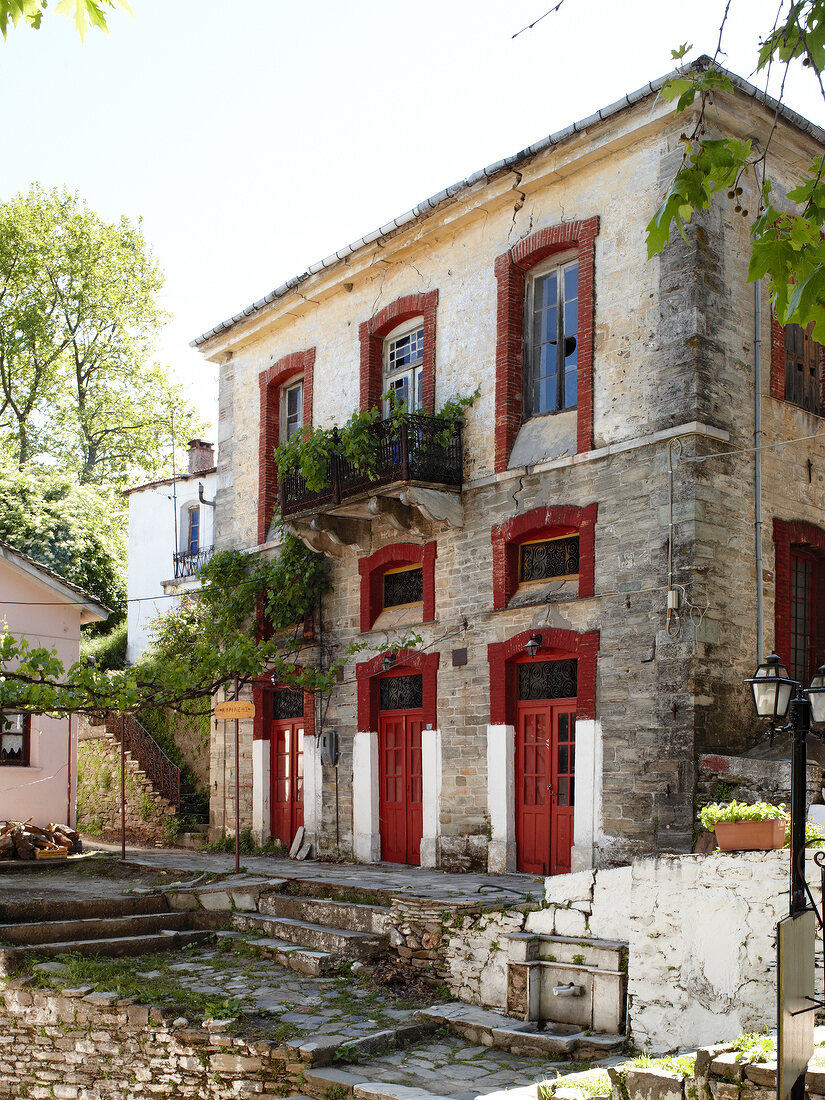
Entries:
{"x":235,"y":708}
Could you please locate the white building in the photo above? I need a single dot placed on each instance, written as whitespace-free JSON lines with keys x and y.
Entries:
{"x":171,"y":534}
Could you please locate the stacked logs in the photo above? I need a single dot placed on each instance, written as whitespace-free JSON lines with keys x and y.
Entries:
{"x":22,"y":840}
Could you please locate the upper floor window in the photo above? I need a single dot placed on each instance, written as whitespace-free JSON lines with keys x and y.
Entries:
{"x":551,"y":344}
{"x":14,"y":738}
{"x":404,"y":587}
{"x":293,"y":408}
{"x":403,"y":374}
{"x":803,"y":377}
{"x":193,"y":538}
{"x":548,"y":559}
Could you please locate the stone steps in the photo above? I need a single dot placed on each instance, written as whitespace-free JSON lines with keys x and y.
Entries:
{"x":289,"y":955}
{"x":101,"y":928}
{"x":354,"y":916}
{"x":36,"y":910}
{"x":12,"y":959}
{"x":344,"y":942}
{"x":493,"y":1029}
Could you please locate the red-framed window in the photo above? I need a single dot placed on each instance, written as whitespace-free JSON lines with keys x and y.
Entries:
{"x":379,"y":594}
{"x":797,"y":373}
{"x":372,"y":335}
{"x":286,"y":397}
{"x":565,"y":534}
{"x":542,"y":347}
{"x":799,"y":549}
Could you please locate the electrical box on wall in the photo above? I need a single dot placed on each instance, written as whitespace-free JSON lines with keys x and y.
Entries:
{"x":329,"y":748}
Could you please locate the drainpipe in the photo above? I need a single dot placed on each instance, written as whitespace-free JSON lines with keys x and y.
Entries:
{"x":757,"y":454}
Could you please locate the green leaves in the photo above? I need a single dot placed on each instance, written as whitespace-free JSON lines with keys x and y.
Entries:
{"x":85,"y":13}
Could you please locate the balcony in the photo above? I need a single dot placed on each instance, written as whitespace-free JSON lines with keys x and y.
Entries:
{"x":416,"y":479}
{"x":189,"y":564}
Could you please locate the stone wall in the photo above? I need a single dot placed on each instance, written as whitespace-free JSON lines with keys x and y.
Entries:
{"x":92,"y":1046}
{"x":98,"y":791}
{"x":748,"y":779}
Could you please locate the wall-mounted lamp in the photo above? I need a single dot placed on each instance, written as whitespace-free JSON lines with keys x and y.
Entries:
{"x":532,"y":644}
{"x":388,"y":661}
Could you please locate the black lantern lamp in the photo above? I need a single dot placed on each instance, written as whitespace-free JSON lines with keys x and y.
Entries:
{"x":388,"y":661}
{"x":816,"y":695}
{"x":532,"y":644}
{"x":772,"y":689}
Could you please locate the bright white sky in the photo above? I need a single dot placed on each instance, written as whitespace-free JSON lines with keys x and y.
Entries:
{"x":258,"y":136}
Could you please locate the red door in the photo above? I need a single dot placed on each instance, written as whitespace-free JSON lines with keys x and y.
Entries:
{"x":545,"y":771}
{"x":399,"y":771}
{"x":286,"y":740}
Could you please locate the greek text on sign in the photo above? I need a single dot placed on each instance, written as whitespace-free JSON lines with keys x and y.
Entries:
{"x":235,"y":708}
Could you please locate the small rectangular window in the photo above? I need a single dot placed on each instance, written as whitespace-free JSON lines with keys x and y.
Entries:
{"x":551,"y":345}
{"x":293,"y":409}
{"x":193,"y":540}
{"x":403,"y":586}
{"x":551,"y":558}
{"x":14,"y":738}
{"x":803,"y":379}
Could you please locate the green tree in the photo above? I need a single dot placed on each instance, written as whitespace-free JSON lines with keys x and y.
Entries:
{"x":787,"y":237}
{"x":85,"y":13}
{"x":78,"y":320}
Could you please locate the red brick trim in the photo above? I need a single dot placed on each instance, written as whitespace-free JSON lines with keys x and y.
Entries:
{"x":373,"y":568}
{"x":537,"y":523}
{"x":368,"y":673}
{"x":777,"y":359}
{"x":371,"y":334}
{"x":510,"y":268}
{"x":262,"y":690}
{"x":503,"y":658}
{"x":270,"y":382}
{"x":788,"y":534}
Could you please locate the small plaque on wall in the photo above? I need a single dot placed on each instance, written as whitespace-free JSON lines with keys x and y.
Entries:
{"x":459,"y":657}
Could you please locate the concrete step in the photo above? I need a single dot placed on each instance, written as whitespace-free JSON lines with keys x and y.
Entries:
{"x":336,"y":941}
{"x":53,"y":931}
{"x":12,"y":959}
{"x":293,"y":957}
{"x":494,"y":1029}
{"x":352,"y":916}
{"x":37,"y":910}
{"x":326,"y":1049}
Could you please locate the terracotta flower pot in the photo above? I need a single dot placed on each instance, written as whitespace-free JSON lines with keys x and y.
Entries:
{"x":749,"y":836}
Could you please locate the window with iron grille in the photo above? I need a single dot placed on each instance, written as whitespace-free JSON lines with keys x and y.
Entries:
{"x":546,"y":680}
{"x":287,"y":703}
{"x":403,"y":586}
{"x":14,"y":738}
{"x":548,"y":559}
{"x":551,"y":339}
{"x":401,"y":692}
{"x":803,"y":377}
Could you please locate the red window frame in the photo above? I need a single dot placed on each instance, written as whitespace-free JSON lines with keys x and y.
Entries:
{"x":510,"y":269}
{"x":371,"y":334}
{"x":25,"y":760}
{"x":367,"y":674}
{"x":271,"y":382}
{"x":507,"y":539}
{"x":798,"y":539}
{"x":373,"y":568}
{"x":504,"y":657}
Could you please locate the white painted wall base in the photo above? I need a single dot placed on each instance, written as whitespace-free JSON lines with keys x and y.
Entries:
{"x":313,"y":789}
{"x":366,"y":839}
{"x":501,"y":798}
{"x":261,"y":819}
{"x":588,"y":801}
{"x":430,"y":797}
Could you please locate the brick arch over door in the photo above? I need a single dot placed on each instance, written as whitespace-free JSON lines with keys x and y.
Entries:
{"x":262,"y":689}
{"x":406,"y":660}
{"x":788,"y":533}
{"x":555,"y":644}
{"x":372,"y":333}
{"x":270,"y":382}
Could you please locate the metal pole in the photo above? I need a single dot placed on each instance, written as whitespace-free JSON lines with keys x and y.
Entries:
{"x":237,"y":793}
{"x":801,"y":722}
{"x":123,"y":787}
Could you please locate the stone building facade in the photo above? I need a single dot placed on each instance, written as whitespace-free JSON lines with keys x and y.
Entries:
{"x":606,"y":511}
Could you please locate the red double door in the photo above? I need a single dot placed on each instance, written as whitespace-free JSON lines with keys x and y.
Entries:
{"x":400,"y":779}
{"x":287,"y":779}
{"x":545,"y":772}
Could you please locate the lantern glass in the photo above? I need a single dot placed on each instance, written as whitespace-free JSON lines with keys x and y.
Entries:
{"x":772,"y":688}
{"x":816,"y":695}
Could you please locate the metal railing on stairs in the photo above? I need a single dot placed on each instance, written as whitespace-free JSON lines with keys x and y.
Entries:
{"x":158,"y":768}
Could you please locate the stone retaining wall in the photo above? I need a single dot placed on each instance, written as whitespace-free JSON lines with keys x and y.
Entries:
{"x":750,"y":779}
{"x":82,"y":1046}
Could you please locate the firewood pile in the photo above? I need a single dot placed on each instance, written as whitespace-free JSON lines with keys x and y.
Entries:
{"x":22,"y":840}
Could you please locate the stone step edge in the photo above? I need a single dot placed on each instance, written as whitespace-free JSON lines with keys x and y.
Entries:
{"x":327,"y":1049}
{"x":351,"y":1085}
{"x":83,"y":924}
{"x":288,"y":954}
{"x":160,"y":940}
{"x":261,"y":919}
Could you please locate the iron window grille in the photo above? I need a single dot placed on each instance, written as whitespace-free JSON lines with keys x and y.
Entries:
{"x":287,"y":703}
{"x":401,"y":692}
{"x":403,"y":586}
{"x":547,"y":680}
{"x":549,"y":559}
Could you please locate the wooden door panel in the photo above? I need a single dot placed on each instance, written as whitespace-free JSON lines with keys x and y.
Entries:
{"x":563,"y":782}
{"x":400,"y":778}
{"x":287,"y":780}
{"x":545,"y":787}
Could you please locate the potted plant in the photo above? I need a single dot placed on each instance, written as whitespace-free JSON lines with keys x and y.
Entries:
{"x":741,"y":827}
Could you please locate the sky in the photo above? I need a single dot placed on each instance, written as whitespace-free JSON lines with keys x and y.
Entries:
{"x":257,"y":137}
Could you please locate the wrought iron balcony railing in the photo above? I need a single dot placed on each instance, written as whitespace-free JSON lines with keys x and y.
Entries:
{"x":416,"y":448}
{"x":160,"y":771}
{"x":187,"y":565}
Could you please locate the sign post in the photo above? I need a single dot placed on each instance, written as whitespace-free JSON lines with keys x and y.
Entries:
{"x":237,"y":709}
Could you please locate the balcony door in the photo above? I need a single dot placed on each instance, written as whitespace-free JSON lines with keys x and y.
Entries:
{"x":400,"y":720}
{"x":286,"y":735}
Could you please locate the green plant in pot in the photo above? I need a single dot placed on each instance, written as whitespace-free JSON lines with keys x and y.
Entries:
{"x":742,"y":826}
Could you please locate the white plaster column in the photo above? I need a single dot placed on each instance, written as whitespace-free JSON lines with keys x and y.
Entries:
{"x":366,"y":838}
{"x":261,"y":819}
{"x":430,"y":796}
{"x":313,"y":789}
{"x":588,"y":787}
{"x":501,"y":798}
